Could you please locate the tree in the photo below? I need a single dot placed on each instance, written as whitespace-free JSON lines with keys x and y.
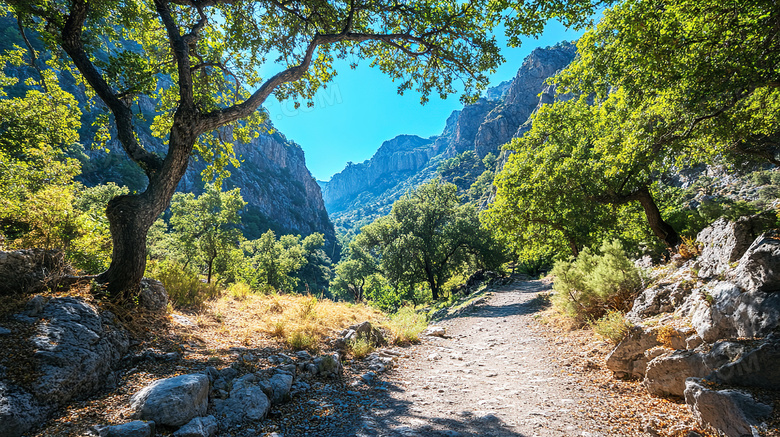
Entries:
{"x":272,"y":261}
{"x":427,"y":235}
{"x":200,"y":63}
{"x":206,"y":226}
{"x":704,"y":73}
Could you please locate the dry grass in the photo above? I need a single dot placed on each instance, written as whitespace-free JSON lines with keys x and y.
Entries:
{"x":299,"y":322}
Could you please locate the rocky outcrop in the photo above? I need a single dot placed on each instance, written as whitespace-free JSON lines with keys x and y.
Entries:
{"x":721,"y":314}
{"x":731,"y":413}
{"x":77,"y":349}
{"x":364,"y":190}
{"x":30,"y":269}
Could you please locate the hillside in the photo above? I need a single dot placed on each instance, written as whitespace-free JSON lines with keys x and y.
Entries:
{"x":362,"y":192}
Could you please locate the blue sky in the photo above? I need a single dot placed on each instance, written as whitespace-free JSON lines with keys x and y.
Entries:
{"x":361,"y":109}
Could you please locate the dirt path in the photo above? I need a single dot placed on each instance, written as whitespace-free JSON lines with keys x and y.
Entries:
{"x":493,"y":376}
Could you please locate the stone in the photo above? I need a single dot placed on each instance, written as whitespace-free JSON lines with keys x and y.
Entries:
{"x":628,"y":359}
{"x":303,"y":355}
{"x":4,"y":331}
{"x":666,"y":374}
{"x":724,"y":310}
{"x":755,"y":368}
{"x":725,"y":242}
{"x":662,"y":298}
{"x":364,"y":330}
{"x":728,"y":412}
{"x":281,"y":384}
{"x":247,"y":402}
{"x":34,"y":306}
{"x":29,"y":270}
{"x":435,"y":331}
{"x":199,"y":427}
{"x":759,"y":267}
{"x":172,"y":401}
{"x":76,"y":352}
{"x":153,"y":296}
{"x":136,"y":428}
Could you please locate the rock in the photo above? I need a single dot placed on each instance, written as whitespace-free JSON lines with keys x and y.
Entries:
{"x":281,"y":384}
{"x":666,"y":374}
{"x":665,"y":298}
{"x":759,"y":267}
{"x":628,"y":359}
{"x":729,"y":412}
{"x":153,"y":296}
{"x":4,"y":331}
{"x":199,"y":427}
{"x":726,"y":311}
{"x":756,"y":368}
{"x":366,"y":331}
{"x":172,"y":401}
{"x":136,"y":428}
{"x":303,"y":355}
{"x":76,"y":352}
{"x":247,"y":402}
{"x":725,"y":242}
{"x":31,"y":269}
{"x":435,"y":331}
{"x":34,"y":306}
{"x":20,"y":411}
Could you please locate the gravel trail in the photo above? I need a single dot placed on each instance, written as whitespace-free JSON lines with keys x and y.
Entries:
{"x":493,"y":375}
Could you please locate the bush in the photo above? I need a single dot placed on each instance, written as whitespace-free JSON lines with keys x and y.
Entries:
{"x":239,"y":290}
{"x":588,"y":287}
{"x":360,"y":348}
{"x":613,"y":326}
{"x":184,"y":287}
{"x":300,"y":340}
{"x":406,"y":326}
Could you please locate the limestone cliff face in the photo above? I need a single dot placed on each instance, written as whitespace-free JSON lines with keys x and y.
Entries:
{"x":403,"y":155}
{"x":364,"y":191}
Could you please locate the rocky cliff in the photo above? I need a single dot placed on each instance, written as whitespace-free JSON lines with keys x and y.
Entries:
{"x":361,"y":192}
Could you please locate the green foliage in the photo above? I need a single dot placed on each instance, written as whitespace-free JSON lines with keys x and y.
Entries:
{"x":612,"y":326}
{"x":360,"y":348}
{"x":272,"y":262}
{"x":592,"y":284}
{"x":183,"y":285}
{"x":205,"y":227}
{"x":425,"y":239}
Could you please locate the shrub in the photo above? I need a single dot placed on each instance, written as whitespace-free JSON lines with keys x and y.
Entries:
{"x":666,"y":335}
{"x":612,"y":326}
{"x":239,"y":290}
{"x":360,"y":348}
{"x":300,"y":340}
{"x":184,"y":287}
{"x":590,"y":286}
{"x":406,"y":326}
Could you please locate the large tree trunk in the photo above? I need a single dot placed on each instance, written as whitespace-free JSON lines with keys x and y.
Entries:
{"x":131,"y":216}
{"x":660,"y":228}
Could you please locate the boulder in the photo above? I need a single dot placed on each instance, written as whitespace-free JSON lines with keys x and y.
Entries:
{"x":136,"y":428}
{"x":755,"y":368}
{"x":728,"y":412}
{"x":628,"y":359}
{"x":30,"y":269}
{"x":666,"y":374}
{"x":199,"y":427}
{"x":172,"y":401}
{"x":725,"y":242}
{"x":247,"y":402}
{"x":435,"y":331}
{"x":759,"y":267}
{"x":727,"y":311}
{"x":281,"y":384}
{"x":153,"y":296}
{"x":364,"y":331}
{"x":77,"y":351}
